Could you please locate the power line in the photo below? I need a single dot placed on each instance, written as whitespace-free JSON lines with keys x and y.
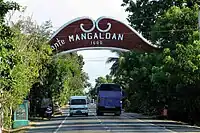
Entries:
{"x":100,"y":57}
{"x":75,"y":26}
{"x":158,"y":31}
{"x":104,"y":23}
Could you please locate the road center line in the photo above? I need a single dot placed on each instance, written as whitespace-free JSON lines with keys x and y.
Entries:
{"x":104,"y":125}
{"x":60,"y":125}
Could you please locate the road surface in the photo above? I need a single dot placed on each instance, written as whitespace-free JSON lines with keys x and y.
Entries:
{"x":126,"y":123}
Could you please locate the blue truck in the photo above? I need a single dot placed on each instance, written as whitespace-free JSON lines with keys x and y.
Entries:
{"x":109,"y":99}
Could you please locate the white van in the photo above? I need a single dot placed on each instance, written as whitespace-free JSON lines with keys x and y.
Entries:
{"x":78,"y":105}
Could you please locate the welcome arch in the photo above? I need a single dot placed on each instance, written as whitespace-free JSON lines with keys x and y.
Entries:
{"x":104,"y":33}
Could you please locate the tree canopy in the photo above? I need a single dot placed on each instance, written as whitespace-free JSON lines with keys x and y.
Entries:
{"x":169,"y":78}
{"x":29,"y":69}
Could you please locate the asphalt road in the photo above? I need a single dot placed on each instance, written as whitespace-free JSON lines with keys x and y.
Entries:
{"x":126,"y":123}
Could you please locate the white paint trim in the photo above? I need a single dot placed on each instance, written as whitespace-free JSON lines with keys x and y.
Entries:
{"x":68,"y":23}
{"x":106,"y":30}
{"x":92,"y":48}
{"x":60,"y":125}
{"x":137,"y":33}
{"x":90,"y":30}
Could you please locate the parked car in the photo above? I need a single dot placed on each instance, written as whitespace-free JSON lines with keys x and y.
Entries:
{"x":78,"y":105}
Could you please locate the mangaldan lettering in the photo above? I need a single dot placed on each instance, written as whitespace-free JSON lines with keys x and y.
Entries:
{"x":58,"y":43}
{"x":96,"y":36}
{"x":90,"y":36}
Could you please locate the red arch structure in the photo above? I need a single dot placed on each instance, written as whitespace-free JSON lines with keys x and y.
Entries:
{"x":104,"y":33}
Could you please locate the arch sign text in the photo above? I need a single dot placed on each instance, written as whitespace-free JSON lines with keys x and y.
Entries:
{"x":107,"y":33}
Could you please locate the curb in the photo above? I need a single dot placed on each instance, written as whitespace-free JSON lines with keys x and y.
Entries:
{"x":16,"y":130}
{"x":140,"y":116}
{"x":24,"y":128}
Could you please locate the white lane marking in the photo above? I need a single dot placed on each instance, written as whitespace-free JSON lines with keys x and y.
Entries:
{"x":150,"y":124}
{"x":61,"y":125}
{"x":102,"y":124}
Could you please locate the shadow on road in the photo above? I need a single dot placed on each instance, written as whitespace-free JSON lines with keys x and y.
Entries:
{"x":83,"y":123}
{"x":93,"y":124}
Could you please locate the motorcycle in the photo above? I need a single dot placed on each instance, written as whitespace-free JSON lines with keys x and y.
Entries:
{"x":48,"y":112}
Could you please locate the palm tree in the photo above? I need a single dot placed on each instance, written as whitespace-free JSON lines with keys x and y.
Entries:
{"x":117,"y":61}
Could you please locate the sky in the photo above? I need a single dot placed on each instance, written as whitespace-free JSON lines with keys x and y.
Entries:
{"x":62,"y":11}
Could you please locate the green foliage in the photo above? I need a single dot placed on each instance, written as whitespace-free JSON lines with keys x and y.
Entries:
{"x":143,"y":14}
{"x":63,"y":78}
{"x":158,"y":79}
{"x":172,"y":77}
{"x":21,"y":67}
{"x":116,"y":62}
{"x":28,"y":69}
{"x":6,"y":7}
{"x":175,"y":26}
{"x":66,"y":78}
{"x":7,"y":61}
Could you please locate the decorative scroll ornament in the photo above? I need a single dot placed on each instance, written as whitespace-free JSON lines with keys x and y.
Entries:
{"x":90,"y":30}
{"x":96,"y":24}
{"x":106,"y":30}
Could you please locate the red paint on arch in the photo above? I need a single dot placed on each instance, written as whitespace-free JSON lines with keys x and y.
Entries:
{"x":72,"y":37}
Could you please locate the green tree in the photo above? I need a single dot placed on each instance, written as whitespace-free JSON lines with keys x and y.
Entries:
{"x":116,"y":62}
{"x":27,"y":65}
{"x":65,"y":78}
{"x":6,"y":47}
{"x":143,"y":14}
{"x":153,"y":80}
{"x":22,"y":59}
{"x":24,"y":62}
{"x":175,"y":26}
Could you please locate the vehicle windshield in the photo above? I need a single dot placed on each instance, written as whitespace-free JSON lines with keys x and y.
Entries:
{"x":78,"y":102}
{"x":110,"y":87}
